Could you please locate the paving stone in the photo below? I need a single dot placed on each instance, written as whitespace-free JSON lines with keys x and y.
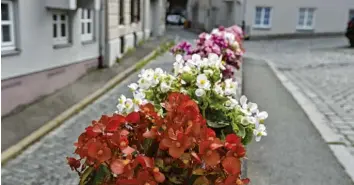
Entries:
{"x":322,"y":68}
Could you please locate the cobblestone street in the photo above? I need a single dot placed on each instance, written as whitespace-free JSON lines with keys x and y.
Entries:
{"x":44,"y":163}
{"x":323,"y":69}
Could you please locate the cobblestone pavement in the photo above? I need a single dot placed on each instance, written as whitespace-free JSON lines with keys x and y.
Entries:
{"x":44,"y":163}
{"x":324,"y":69}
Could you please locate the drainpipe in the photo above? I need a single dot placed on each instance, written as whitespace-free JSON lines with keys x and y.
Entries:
{"x":101,"y":31}
{"x":143,"y":18}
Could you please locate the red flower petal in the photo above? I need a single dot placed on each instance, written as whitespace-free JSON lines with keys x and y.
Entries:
{"x":128,"y":150}
{"x":117,"y":166}
{"x":212,"y":159}
{"x":232,"y":165}
{"x":133,"y":117}
{"x":146,"y":162}
{"x":176,"y":152}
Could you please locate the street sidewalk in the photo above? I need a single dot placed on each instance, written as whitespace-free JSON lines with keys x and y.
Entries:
{"x":22,"y":123}
{"x":294,"y":151}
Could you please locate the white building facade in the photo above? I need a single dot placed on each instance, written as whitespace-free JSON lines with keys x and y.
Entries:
{"x":130,"y":22}
{"x":274,"y":17}
{"x":47,"y":44}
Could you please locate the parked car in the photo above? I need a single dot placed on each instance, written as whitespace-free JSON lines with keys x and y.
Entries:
{"x":175,"y":19}
{"x":350,"y":32}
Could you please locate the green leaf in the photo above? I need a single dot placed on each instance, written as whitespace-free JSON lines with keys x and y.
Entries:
{"x":199,"y":171}
{"x":100,"y":175}
{"x":214,"y":124}
{"x":86,"y":176}
{"x":248,"y":137}
{"x":201,"y":181}
{"x":241,"y":131}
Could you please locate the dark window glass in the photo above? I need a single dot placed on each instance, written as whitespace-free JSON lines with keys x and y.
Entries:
{"x":82,"y":28}
{"x":54,"y":17}
{"x":63,"y":17}
{"x":63,"y":30}
{"x":6,"y":37}
{"x":5,"y":12}
{"x":55,"y":30}
{"x":88,"y":14}
{"x":121,"y":12}
{"x":88,"y":27}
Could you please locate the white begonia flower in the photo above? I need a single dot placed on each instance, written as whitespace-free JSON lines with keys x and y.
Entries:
{"x":230,"y":87}
{"x":178,"y":67}
{"x":231,"y":103}
{"x":244,"y":106}
{"x":179,"y":58}
{"x":164,"y":87}
{"x":128,"y":106}
{"x":144,"y":83}
{"x":183,"y":82}
{"x":218,"y":90}
{"x":196,"y":57}
{"x":229,"y":37}
{"x":133,"y":87}
{"x":187,"y":69}
{"x":259,"y":132}
{"x":200,"y":92}
{"x":159,"y":72}
{"x":208,"y":72}
{"x":203,"y":82}
{"x":216,"y":61}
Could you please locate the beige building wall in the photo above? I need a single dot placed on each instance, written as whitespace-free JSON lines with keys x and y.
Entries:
{"x":152,"y":20}
{"x":331,"y":16}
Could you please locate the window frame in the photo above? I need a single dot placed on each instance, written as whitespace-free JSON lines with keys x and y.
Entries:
{"x":304,"y":26}
{"x":10,"y":45}
{"x":85,"y":36}
{"x":262,"y":18}
{"x":60,"y":40}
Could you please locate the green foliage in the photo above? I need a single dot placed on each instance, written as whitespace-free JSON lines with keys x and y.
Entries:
{"x":101,"y":174}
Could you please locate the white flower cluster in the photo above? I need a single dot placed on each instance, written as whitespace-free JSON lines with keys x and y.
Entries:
{"x":253,"y":116}
{"x":147,"y":79}
{"x":198,"y":77}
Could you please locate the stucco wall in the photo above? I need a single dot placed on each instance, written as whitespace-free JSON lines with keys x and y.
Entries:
{"x":35,"y":42}
{"x":330,"y":16}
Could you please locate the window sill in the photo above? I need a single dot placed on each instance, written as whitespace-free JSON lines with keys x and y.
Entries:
{"x":304,"y":29}
{"x":261,"y":27}
{"x":88,"y":42}
{"x":5,"y":53}
{"x":59,"y":46}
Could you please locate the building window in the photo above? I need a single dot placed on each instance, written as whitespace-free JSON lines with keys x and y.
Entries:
{"x":60,"y":28}
{"x":138,"y":10}
{"x":306,"y":16}
{"x":263,"y":17}
{"x":86,"y":25}
{"x":132,"y":11}
{"x":121,"y":11}
{"x":351,"y":14}
{"x":7,"y":26}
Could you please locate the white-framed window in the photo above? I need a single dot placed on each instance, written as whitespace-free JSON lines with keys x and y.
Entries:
{"x":60,"y":28}
{"x":306,"y":18}
{"x":7,"y":26}
{"x":263,"y":17}
{"x":86,"y":25}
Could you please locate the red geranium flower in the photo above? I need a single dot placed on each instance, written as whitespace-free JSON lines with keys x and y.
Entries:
{"x":99,"y":151}
{"x":232,"y":165}
{"x":207,"y":149}
{"x":233,"y":143}
{"x":176,"y":142}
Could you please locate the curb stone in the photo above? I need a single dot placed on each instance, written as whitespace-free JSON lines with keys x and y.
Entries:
{"x":58,"y":120}
{"x":333,"y":140}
